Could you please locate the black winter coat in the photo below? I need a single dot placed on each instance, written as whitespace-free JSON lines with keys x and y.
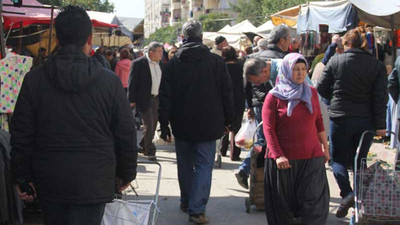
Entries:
{"x":72,"y":131}
{"x":239,"y":98}
{"x":356,"y":85}
{"x":196,"y":94}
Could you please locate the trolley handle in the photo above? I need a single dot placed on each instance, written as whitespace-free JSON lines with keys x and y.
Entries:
{"x":158,"y":177}
{"x":362,"y":141}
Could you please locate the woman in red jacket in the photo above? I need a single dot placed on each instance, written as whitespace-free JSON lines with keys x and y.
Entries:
{"x":296,"y":186}
{"x":123,"y":67}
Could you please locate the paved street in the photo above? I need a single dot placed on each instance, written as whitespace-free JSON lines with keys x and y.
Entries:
{"x":226,"y":204}
{"x":227,"y":201}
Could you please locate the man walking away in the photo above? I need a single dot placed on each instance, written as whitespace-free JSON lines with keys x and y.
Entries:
{"x":72,"y":134}
{"x":143,"y":87}
{"x":196,"y":97}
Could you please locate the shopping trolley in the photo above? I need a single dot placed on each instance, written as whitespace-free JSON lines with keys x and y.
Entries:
{"x":131,"y":208}
{"x":377,"y":191}
{"x":256,"y":193}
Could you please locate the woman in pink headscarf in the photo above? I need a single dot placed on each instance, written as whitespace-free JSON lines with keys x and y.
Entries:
{"x":296,"y":187}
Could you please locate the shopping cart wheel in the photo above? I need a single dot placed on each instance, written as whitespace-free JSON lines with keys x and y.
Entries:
{"x":248,"y":204}
{"x":218,"y":162}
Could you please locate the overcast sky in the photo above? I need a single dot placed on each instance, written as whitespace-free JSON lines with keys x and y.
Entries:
{"x":129,"y":8}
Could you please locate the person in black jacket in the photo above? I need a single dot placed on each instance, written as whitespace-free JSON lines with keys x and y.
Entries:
{"x":72,"y":133}
{"x":236,"y":73}
{"x":143,"y":89}
{"x":355,"y":83}
{"x":196,"y":98}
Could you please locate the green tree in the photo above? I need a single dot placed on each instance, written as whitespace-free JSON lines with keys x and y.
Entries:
{"x":164,"y":35}
{"x":251,"y":10}
{"x":95,"y":5}
{"x":259,"y":11}
{"x":213,"y":22}
{"x":273,"y":6}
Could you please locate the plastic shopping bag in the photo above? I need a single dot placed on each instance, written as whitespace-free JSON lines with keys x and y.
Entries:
{"x":121,"y":212}
{"x":244,"y":138}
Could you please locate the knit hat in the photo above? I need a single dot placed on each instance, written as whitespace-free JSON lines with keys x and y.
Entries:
{"x":219,"y":40}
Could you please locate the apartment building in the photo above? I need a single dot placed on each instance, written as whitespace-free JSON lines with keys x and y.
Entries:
{"x":182,"y":10}
{"x":157,"y":15}
{"x":161,"y":13}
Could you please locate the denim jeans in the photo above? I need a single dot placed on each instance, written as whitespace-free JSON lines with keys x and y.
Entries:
{"x":245,"y":166}
{"x":195,"y":164}
{"x":344,"y":140}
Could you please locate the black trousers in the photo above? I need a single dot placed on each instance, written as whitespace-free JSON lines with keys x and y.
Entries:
{"x":298,"y":195}
{"x":235,"y":151}
{"x":67,"y":214}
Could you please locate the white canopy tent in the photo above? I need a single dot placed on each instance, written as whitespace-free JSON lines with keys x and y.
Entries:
{"x":265,"y":28}
{"x":234,"y":40}
{"x":384,"y":14}
{"x":240,"y":28}
{"x":225,"y":29}
{"x":376,"y":13}
{"x":101,"y":16}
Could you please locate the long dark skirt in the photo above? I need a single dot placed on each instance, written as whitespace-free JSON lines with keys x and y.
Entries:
{"x":298,"y":195}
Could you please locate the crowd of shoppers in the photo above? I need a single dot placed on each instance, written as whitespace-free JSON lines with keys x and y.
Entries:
{"x":87,"y":138}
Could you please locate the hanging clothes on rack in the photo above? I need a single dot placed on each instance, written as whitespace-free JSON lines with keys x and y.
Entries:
{"x":13,"y":69}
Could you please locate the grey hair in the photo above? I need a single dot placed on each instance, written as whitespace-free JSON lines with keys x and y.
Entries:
{"x":192,"y":29}
{"x":281,"y":31}
{"x":153,"y":46}
{"x":262,"y":43}
{"x":254,"y":67}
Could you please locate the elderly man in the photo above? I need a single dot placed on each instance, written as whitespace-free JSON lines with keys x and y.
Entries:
{"x":144,"y":83}
{"x":196,"y":97}
{"x":277,"y":44}
{"x":275,"y":47}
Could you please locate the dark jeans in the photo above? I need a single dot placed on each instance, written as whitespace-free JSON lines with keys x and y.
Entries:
{"x":67,"y":214}
{"x":260,"y":132}
{"x":195,"y":164}
{"x":344,"y":139}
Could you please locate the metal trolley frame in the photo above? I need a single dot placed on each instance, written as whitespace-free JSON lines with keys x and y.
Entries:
{"x":367,"y":193}
{"x":130,"y":209}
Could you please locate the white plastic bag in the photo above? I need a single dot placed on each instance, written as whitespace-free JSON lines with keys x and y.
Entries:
{"x":121,"y":212}
{"x":244,"y":138}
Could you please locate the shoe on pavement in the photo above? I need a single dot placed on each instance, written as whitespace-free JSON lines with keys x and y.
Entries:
{"x":236,"y":159}
{"x":184,"y":208}
{"x":345,"y":205}
{"x":141,"y":150}
{"x":199,"y":219}
{"x":151,"y":157}
{"x":242,"y":179}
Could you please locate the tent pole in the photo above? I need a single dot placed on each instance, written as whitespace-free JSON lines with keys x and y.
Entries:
{"x":394,"y":44}
{"x":21,"y":32}
{"x":2,"y":44}
{"x":51,"y":30}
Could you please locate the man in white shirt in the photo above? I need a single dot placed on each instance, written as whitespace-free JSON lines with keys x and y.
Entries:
{"x":144,"y":83}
